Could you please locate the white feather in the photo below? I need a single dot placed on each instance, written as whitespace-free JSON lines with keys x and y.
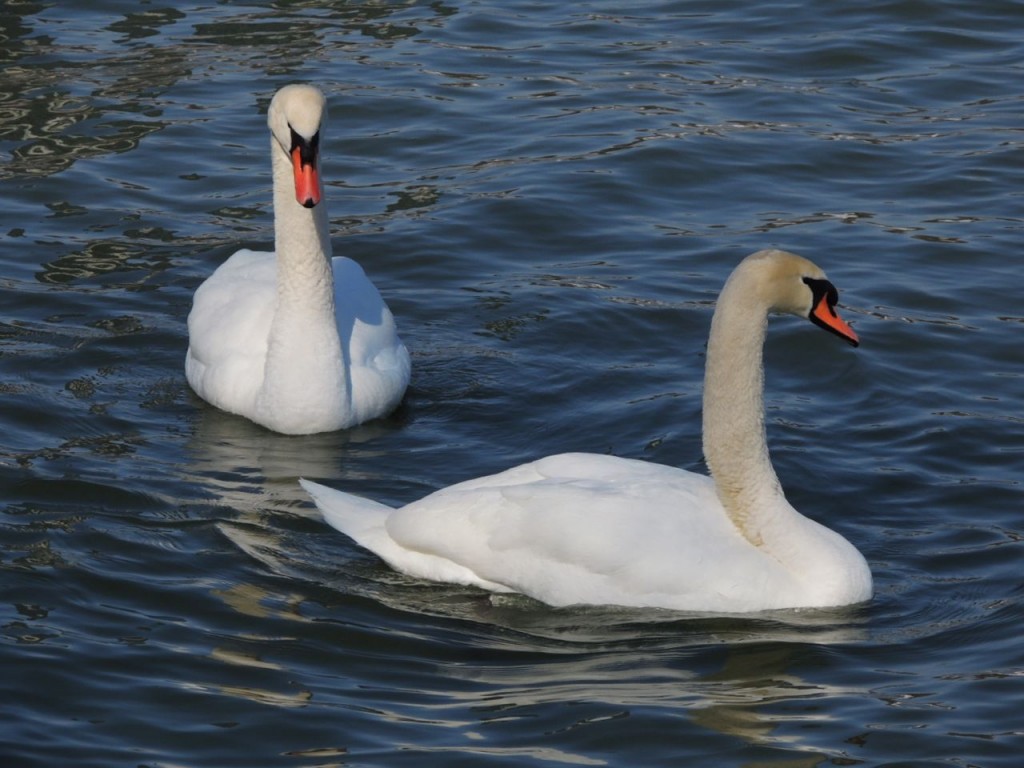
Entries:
{"x":590,"y":529}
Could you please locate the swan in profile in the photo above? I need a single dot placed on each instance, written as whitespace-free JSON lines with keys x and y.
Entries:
{"x":582,"y":528}
{"x":295,"y":340}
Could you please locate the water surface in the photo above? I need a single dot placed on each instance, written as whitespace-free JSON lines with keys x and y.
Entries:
{"x":549,"y":195}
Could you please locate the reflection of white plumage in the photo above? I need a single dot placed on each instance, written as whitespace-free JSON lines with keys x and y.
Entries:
{"x":583,"y":528}
{"x":295,"y":340}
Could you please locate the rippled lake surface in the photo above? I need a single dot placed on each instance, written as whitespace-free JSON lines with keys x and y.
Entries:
{"x":549,"y":195}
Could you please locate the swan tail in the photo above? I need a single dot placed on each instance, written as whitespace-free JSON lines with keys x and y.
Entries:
{"x":358,"y":518}
{"x":365,"y":522}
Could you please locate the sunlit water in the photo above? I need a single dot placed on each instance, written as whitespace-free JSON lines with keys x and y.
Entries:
{"x":549,"y":195}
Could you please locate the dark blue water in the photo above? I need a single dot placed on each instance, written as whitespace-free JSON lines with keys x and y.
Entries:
{"x":549,"y":195}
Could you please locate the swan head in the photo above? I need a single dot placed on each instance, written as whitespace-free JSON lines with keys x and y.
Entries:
{"x":795,"y":285}
{"x":295,"y":115}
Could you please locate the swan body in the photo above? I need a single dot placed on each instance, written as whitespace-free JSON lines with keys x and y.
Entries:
{"x":592,"y":529}
{"x":294,"y":339}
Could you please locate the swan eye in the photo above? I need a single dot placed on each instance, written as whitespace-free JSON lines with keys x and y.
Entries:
{"x":824,"y":297}
{"x":822,"y":289}
{"x":307,"y":149}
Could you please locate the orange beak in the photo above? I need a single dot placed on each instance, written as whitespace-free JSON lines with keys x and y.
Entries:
{"x":307,"y":180}
{"x":825,"y":315}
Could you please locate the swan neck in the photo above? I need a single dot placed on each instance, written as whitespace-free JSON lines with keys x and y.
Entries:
{"x":305,"y":282}
{"x":304,"y":351}
{"x":301,"y":235}
{"x":735,"y":444}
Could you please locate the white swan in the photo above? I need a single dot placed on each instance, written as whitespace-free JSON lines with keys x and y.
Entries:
{"x":295,"y":340}
{"x":590,"y":529}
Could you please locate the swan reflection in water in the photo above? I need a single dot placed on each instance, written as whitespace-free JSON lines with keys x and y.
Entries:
{"x":495,"y":661}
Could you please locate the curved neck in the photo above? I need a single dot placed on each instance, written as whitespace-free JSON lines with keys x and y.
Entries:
{"x":735,"y":445}
{"x":826,"y":568}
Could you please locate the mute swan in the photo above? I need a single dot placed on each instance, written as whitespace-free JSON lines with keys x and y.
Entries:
{"x":295,"y":340}
{"x":590,"y":529}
